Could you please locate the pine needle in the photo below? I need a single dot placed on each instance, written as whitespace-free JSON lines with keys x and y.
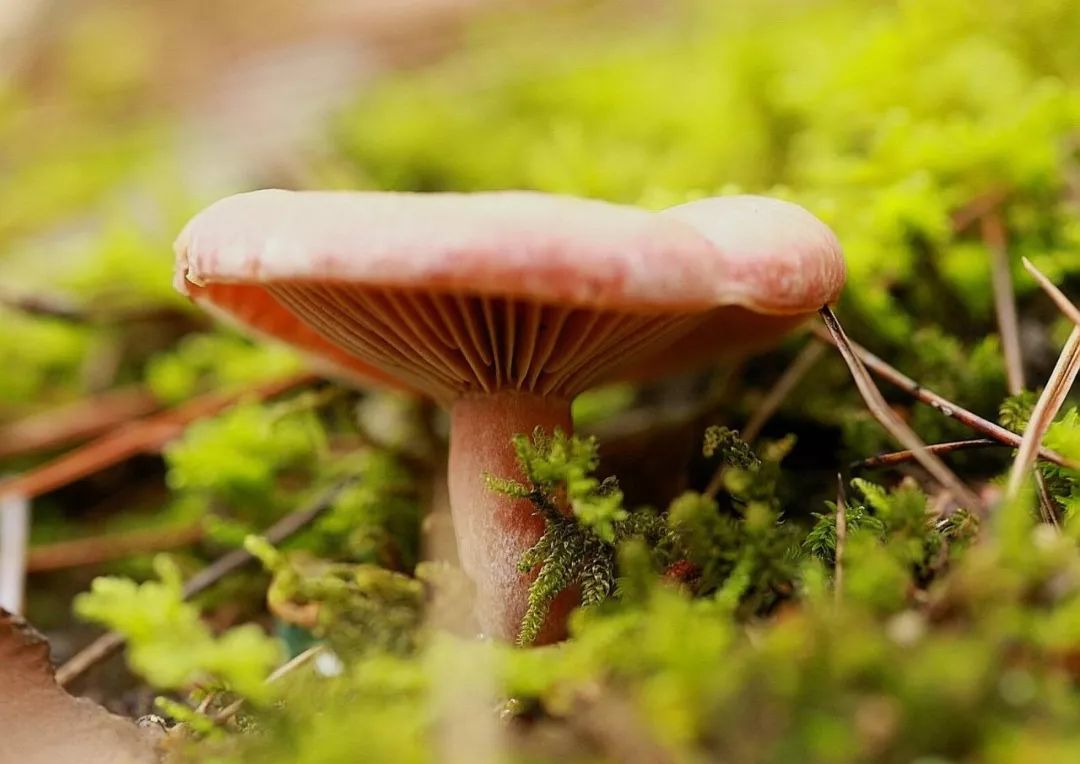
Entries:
{"x":891,"y":422}
{"x":1057,"y":387}
{"x":993,"y":235}
{"x":941,"y":404}
{"x":1047,"y":407}
{"x":788,"y":381}
{"x":1059,"y":298}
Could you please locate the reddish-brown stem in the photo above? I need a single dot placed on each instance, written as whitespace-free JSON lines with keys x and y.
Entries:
{"x":494,"y":530}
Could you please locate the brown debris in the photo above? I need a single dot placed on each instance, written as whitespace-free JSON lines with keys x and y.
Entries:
{"x":40,"y":723}
{"x":75,"y":421}
{"x":144,"y":436}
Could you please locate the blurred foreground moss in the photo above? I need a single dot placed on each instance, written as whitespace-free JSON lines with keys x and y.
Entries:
{"x":947,"y":640}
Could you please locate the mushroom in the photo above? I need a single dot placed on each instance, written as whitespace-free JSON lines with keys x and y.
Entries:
{"x":503,"y":306}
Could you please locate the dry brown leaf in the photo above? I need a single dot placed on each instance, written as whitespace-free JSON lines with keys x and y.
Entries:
{"x":40,"y":723}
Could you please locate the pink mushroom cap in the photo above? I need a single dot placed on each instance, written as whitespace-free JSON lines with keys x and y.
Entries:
{"x":760,"y":265}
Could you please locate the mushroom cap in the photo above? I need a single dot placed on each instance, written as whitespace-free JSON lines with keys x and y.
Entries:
{"x":774,"y":256}
{"x":786,"y":262}
{"x":371,"y":279}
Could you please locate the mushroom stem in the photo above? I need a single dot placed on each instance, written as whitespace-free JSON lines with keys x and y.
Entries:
{"x":494,"y":530}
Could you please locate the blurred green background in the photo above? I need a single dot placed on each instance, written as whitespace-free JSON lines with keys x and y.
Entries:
{"x":896,"y":122}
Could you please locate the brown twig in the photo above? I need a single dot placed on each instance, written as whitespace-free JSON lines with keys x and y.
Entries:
{"x":1052,"y":398}
{"x":943,"y":405}
{"x":113,"y":546}
{"x":107,"y":644}
{"x":62,"y":309}
{"x":978,"y":208}
{"x":788,"y":381}
{"x":994,"y":236}
{"x":227,"y":713}
{"x":43,"y":306}
{"x":793,"y":374}
{"x":75,"y":421}
{"x":1048,"y":507}
{"x":1046,"y":408}
{"x":893,"y":423}
{"x":900,"y":457}
{"x":144,"y":436}
{"x":1063,"y":303}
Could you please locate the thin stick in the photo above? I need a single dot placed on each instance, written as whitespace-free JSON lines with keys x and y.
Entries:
{"x":56,"y":307}
{"x":291,"y":665}
{"x":107,"y":644}
{"x":993,"y":235}
{"x":891,"y":422}
{"x":1053,"y":396}
{"x":143,"y":436}
{"x":793,"y":374}
{"x":1059,"y":298}
{"x":112,"y":546}
{"x":788,"y":381}
{"x":1048,"y":507}
{"x":841,"y":538}
{"x":943,"y":405}
{"x":900,"y":457}
{"x":1046,"y":408}
{"x":75,"y":421}
{"x":14,"y":533}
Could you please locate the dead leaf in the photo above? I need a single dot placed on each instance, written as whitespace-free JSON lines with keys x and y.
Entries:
{"x":40,"y":723}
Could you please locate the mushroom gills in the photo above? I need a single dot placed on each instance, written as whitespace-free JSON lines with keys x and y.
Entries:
{"x":453,"y":344}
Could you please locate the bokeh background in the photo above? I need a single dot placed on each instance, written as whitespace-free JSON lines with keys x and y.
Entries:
{"x":899,"y":123}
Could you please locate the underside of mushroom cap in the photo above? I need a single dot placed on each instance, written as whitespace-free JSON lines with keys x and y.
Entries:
{"x":254,"y":310}
{"x":460,"y":293}
{"x":454,"y":344}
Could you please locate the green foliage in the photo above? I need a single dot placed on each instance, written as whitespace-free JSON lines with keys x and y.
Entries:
{"x":726,"y":444}
{"x":893,"y":540}
{"x":558,"y":465}
{"x":1015,"y":411}
{"x":169,"y":644}
{"x":237,"y":457}
{"x":692,"y":541}
{"x":376,"y":519}
{"x":357,"y":609}
{"x":48,"y":354}
{"x":203,"y":362}
{"x":1063,"y":484}
{"x":584,"y":520}
{"x":594,"y":406}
